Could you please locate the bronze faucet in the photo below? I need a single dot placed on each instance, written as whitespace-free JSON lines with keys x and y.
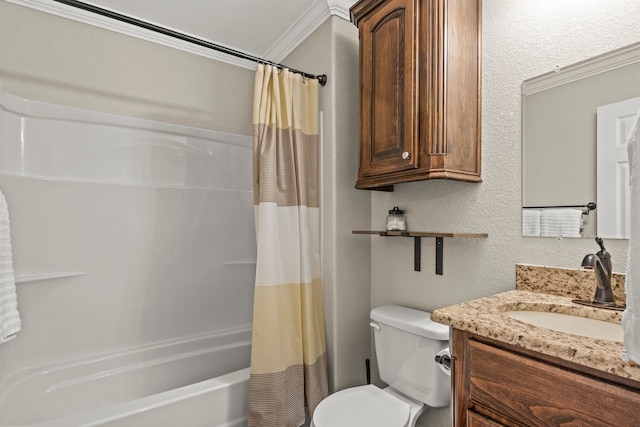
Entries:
{"x":601,"y":264}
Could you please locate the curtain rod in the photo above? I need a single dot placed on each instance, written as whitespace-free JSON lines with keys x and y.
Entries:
{"x":322,"y":78}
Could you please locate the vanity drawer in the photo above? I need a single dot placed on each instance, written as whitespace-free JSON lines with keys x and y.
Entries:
{"x":477,"y":420}
{"x":535,"y":393}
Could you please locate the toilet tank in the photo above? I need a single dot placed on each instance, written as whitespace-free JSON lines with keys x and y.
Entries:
{"x":406,"y":342}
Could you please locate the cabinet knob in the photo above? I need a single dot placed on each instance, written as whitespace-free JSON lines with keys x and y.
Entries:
{"x":406,"y":155}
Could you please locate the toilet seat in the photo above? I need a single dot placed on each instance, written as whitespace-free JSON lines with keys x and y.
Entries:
{"x":365,"y":405}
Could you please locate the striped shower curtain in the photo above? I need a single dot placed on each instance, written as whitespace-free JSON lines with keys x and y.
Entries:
{"x":288,"y":358}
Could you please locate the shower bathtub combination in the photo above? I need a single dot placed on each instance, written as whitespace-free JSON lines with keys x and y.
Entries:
{"x":202,"y":381}
{"x":134,"y":256}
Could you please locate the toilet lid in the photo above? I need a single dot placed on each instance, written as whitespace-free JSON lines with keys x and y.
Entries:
{"x":365,"y":406}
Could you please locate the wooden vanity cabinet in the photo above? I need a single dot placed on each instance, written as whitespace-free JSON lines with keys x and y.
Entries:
{"x":496,"y":384}
{"x":419,"y":90}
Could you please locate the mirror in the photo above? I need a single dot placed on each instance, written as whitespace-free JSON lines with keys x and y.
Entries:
{"x":559,"y":146}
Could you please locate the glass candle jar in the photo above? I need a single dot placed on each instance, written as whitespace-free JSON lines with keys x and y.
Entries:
{"x":396,"y":220}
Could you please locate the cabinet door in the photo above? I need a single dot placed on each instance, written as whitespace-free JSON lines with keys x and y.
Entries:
{"x":388,"y":125}
{"x":477,"y":420}
{"x":535,"y":393}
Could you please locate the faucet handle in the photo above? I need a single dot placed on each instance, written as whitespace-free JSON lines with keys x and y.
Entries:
{"x":604,"y":256}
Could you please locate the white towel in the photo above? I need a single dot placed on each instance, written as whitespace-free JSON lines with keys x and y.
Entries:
{"x":9,"y":318}
{"x":530,"y":222}
{"x":562,"y":222}
{"x":631,"y":316}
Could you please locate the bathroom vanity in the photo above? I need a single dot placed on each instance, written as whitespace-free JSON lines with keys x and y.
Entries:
{"x":496,"y":384}
{"x":508,"y":372}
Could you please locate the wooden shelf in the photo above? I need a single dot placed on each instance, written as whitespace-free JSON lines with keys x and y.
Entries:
{"x":423,"y":234}
{"x":417,"y":243}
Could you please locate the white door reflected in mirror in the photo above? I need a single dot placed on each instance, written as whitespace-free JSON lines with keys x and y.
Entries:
{"x":614,"y":124}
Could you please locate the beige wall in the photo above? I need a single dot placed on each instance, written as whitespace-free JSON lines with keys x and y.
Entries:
{"x":333,"y":49}
{"x":49,"y":58}
{"x":64,"y":60}
{"x":520,"y":40}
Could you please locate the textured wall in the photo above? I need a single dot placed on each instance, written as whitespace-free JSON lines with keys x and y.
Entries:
{"x":521,"y":39}
{"x":333,"y":49}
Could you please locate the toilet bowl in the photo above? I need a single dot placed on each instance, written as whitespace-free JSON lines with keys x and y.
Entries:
{"x":406,"y":343}
{"x":369,"y":406}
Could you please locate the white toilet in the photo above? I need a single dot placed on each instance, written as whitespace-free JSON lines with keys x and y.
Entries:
{"x":407,"y":342}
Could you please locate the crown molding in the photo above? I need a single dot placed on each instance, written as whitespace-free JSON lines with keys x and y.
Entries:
{"x":308,"y":22}
{"x":617,"y":58}
{"x":341,"y":8}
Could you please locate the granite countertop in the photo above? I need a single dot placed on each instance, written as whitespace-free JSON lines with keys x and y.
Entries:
{"x":484,"y":317}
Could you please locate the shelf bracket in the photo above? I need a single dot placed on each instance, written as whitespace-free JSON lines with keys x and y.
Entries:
{"x":439,"y":254}
{"x":417,"y":252}
{"x":417,"y":243}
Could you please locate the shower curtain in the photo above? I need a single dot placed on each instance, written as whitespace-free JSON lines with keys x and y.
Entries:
{"x":288,"y":360}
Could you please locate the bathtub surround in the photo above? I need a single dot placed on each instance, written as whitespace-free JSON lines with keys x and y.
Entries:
{"x":289,"y":355}
{"x":10,"y":322}
{"x":137,"y":238}
{"x":631,"y":316}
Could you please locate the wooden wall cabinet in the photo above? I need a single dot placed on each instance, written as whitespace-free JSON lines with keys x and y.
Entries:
{"x":420,"y":90}
{"x":496,"y":384}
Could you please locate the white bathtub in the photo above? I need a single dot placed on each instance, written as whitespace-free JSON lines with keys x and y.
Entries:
{"x":197,"y":381}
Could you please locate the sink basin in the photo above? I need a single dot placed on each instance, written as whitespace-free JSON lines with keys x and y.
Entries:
{"x":569,"y":324}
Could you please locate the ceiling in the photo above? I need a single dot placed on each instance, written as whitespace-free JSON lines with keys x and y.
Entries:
{"x":267,"y":29}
